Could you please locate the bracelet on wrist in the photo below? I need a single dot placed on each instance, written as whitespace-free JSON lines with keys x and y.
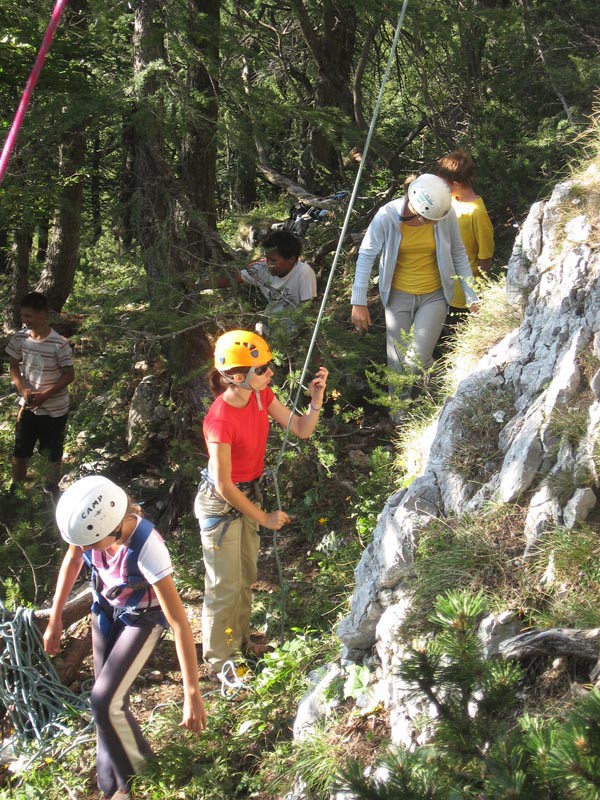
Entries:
{"x":314,"y":408}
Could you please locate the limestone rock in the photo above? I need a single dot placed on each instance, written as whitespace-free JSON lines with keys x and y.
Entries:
{"x":579,"y":506}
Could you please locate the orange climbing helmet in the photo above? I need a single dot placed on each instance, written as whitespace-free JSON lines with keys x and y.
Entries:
{"x":241,"y":349}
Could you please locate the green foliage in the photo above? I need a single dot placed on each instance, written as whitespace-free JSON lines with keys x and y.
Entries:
{"x":357,"y":681}
{"x":569,"y":558}
{"x":495,"y":318}
{"x":569,"y":423}
{"x":479,"y":416}
{"x":475,"y":749}
{"x":373,"y":491}
{"x":224,"y":762}
{"x":476,"y":552}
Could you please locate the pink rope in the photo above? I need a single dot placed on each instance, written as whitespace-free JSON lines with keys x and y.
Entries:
{"x":30,"y":86}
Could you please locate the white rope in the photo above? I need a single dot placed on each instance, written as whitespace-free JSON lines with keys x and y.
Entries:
{"x":330,"y":280}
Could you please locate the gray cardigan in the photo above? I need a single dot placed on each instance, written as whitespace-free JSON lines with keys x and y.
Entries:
{"x":383,"y":239}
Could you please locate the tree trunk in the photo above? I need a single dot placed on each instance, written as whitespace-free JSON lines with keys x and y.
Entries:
{"x":62,"y":259}
{"x":199,"y":143}
{"x":21,"y":252}
{"x":4,"y":252}
{"x":331,"y":44}
{"x":123,"y":223}
{"x":95,"y":191}
{"x":174,"y":221}
{"x":56,"y":280}
{"x":43,"y":232}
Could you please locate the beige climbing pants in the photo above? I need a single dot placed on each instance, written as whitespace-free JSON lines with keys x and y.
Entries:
{"x":230,"y":561}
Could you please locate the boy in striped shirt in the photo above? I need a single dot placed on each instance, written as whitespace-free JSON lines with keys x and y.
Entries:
{"x":41,"y":367}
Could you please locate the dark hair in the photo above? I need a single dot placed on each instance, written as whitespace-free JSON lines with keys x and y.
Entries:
{"x":288,"y":245}
{"x":217,"y":383}
{"x":36,"y":301}
{"x":457,"y":167}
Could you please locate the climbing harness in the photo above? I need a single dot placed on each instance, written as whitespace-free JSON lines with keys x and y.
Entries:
{"x":110,"y":617}
{"x":209,"y":522}
{"x":30,"y":86}
{"x":38,"y":707}
{"x":326,"y":294}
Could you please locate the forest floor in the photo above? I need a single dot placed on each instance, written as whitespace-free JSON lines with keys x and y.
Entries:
{"x":159,"y":684}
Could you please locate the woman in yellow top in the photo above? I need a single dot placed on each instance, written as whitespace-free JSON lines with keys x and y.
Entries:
{"x":476,"y":230}
{"x":421,"y":257}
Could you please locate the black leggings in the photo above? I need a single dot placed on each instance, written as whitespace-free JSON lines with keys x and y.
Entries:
{"x":121,"y":747}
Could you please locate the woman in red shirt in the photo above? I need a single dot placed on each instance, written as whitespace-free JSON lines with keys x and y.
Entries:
{"x":229,"y":504}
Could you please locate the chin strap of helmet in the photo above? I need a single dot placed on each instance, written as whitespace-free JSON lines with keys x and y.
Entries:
{"x":245,"y":384}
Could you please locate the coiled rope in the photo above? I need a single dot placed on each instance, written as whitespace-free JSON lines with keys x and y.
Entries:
{"x":36,"y":704}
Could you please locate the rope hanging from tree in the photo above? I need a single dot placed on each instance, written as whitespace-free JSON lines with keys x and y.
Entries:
{"x":329,"y":284}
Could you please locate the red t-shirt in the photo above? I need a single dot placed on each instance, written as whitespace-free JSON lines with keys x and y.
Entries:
{"x":245,"y":429}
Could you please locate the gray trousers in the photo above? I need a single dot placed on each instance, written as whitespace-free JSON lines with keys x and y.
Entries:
{"x":424,"y":314}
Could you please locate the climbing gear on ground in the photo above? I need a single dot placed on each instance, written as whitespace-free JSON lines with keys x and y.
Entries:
{"x":241,"y":349}
{"x":89,"y":510}
{"x":430,"y":197}
{"x":38,"y":707}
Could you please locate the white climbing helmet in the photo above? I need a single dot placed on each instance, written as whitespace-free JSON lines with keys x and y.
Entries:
{"x":430,"y":197}
{"x":89,"y":510}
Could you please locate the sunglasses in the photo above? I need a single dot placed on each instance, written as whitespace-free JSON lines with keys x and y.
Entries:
{"x":261,"y":370}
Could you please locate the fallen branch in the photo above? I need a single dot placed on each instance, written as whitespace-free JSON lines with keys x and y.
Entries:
{"x":569,"y":642}
{"x":297,"y":191}
{"x":74,"y":610}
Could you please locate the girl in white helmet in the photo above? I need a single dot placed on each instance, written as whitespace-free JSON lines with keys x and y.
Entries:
{"x":421,"y":256}
{"x":135,"y":601}
{"x":228,"y":504}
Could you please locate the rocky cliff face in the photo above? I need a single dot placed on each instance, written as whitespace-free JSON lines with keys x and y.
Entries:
{"x":541,"y":368}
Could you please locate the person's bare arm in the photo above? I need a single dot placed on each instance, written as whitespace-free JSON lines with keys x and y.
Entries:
{"x":68,"y":574}
{"x":194,"y":713}
{"x":303,"y":425}
{"x":220,"y":464}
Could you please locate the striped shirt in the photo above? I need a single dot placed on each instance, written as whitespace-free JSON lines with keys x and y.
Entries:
{"x":41,"y":362}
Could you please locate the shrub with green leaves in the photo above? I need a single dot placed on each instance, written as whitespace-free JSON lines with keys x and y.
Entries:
{"x":483,"y":745}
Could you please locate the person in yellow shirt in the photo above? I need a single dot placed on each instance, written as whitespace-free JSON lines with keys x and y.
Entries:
{"x":418,"y":246}
{"x":458,"y":170}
